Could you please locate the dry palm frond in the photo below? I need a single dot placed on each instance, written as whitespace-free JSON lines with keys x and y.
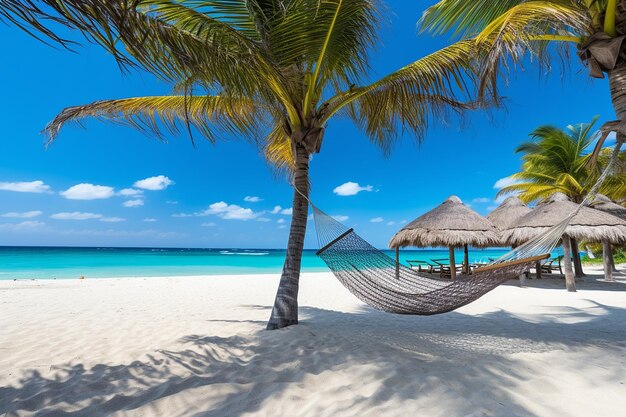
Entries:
{"x":211,"y":115}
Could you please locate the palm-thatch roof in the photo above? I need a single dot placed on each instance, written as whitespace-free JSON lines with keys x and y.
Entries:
{"x":589,"y":224}
{"x":508,"y":213}
{"x":450,"y":224}
{"x":605,"y":204}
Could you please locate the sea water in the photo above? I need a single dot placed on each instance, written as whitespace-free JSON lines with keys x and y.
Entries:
{"x":72,"y":263}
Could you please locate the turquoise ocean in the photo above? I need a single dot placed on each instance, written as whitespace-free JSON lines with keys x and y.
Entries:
{"x":72,"y":263}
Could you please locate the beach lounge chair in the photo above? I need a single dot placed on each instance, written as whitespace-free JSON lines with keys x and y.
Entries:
{"x":552,"y":265}
{"x":444,"y":265}
{"x":424,"y":266}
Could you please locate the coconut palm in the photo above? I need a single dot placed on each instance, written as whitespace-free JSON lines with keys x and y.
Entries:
{"x":556,"y":160}
{"x":513,"y":29}
{"x":273,"y":72}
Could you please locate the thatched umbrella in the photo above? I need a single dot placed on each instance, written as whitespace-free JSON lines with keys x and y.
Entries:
{"x":451,"y":224}
{"x":506,"y":216}
{"x":605,"y":204}
{"x":508,"y":213}
{"x":589,"y":224}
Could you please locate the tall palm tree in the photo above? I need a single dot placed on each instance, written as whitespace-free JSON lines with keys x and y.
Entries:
{"x":556,"y":160}
{"x":512,"y":29}
{"x":272,"y":71}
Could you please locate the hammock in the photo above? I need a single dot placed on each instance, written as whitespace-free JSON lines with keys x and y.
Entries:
{"x":381,"y":282}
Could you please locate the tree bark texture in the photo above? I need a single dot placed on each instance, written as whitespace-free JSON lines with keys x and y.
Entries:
{"x":285,"y":311}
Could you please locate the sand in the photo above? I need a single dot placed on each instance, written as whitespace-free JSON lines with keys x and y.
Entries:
{"x":196,"y":346}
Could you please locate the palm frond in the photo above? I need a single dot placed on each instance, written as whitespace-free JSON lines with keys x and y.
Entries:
{"x":409,"y":97}
{"x":462,"y":17}
{"x":528,"y":29}
{"x":278,"y":151}
{"x":212,"y":116}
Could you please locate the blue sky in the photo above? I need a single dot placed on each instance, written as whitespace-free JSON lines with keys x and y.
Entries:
{"x":151,"y":193}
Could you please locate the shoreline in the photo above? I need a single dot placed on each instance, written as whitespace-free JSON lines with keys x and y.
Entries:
{"x":594,"y":268}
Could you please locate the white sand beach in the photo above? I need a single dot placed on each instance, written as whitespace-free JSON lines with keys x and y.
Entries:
{"x":196,"y":346}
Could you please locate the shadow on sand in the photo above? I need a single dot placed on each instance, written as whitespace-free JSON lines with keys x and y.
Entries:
{"x":387,"y":356}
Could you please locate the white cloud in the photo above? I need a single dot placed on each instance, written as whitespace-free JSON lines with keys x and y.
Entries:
{"x":280,"y":221}
{"x":76,"y":215}
{"x":182,"y":215}
{"x":25,"y":187}
{"x":377,"y":220}
{"x":160,"y":182}
{"x":149,"y":220}
{"x":391,"y":223}
{"x":229,"y":211}
{"x":129,"y":192}
{"x":311,"y":217}
{"x":23,"y":215}
{"x":252,"y":199}
{"x":133,"y":203}
{"x":282,"y":226}
{"x":263,"y":219}
{"x":341,"y":218}
{"x":287,"y":211}
{"x":171,"y":202}
{"x":112,"y":219}
{"x":209,"y":224}
{"x":276,"y":210}
{"x":481,"y":200}
{"x":86,"y":191}
{"x":504,"y":182}
{"x":351,"y":188}
{"x":29,"y":224}
{"x":491,"y":208}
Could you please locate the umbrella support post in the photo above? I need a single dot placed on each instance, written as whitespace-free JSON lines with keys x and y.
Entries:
{"x":538,"y":270}
{"x":398,"y":263}
{"x":452,"y":263}
{"x":578,"y":265}
{"x":466,"y":260}
{"x":606,"y":257}
{"x":570,"y":282}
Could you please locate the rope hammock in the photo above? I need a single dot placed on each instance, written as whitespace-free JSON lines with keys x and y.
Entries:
{"x":381,"y":282}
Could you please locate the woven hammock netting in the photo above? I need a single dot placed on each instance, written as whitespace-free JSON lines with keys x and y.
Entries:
{"x":377,"y":280}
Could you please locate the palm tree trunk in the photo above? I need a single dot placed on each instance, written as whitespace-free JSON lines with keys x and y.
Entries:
{"x":570,"y":281}
{"x":285,"y":311}
{"x":617,"y":85}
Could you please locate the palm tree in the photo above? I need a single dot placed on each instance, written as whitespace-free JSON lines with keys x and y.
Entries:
{"x":511,"y":29}
{"x":557,"y":160}
{"x":273,"y":72}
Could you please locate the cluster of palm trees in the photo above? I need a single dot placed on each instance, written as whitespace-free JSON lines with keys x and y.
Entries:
{"x":276,"y":72}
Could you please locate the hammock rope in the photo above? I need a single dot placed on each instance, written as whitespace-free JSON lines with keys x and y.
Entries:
{"x":377,"y":280}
